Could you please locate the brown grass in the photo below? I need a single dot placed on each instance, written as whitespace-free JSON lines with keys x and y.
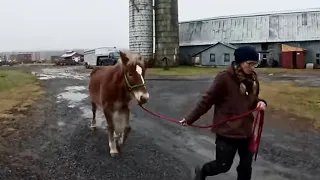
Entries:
{"x":184,"y":71}
{"x":287,"y":71}
{"x":18,"y":91}
{"x":202,"y":71}
{"x":299,"y":101}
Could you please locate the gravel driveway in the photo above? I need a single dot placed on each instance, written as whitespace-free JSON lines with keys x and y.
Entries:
{"x":57,"y":143}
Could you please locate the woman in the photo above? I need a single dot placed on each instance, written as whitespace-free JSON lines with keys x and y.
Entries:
{"x":234,"y":91}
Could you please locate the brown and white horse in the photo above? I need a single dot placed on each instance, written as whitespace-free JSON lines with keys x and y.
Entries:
{"x":112,"y":88}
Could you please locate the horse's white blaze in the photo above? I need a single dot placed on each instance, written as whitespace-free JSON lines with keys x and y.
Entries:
{"x":139,"y":94}
{"x":139,"y":71}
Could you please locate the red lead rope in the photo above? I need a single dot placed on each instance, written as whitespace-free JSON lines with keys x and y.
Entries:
{"x":255,"y":141}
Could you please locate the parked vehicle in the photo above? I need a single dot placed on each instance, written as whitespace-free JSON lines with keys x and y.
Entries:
{"x":8,"y":63}
{"x":63,"y":62}
{"x":104,"y":56}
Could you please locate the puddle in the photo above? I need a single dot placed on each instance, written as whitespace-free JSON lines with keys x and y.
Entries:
{"x":54,"y":73}
{"x":100,"y":119}
{"x":75,"y":88}
{"x":72,"y":95}
{"x":60,"y":123}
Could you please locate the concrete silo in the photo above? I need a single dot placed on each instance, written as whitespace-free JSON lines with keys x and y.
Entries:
{"x":166,"y":32}
{"x":141,"y":27}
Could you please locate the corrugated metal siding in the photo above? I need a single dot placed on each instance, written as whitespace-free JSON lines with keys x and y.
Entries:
{"x":255,"y":29}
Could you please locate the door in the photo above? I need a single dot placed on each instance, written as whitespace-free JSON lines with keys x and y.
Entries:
{"x":294,"y":59}
{"x":286,"y":60}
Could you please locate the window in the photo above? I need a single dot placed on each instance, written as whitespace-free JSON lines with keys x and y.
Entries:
{"x":318,"y":58}
{"x":226,"y":57}
{"x":264,"y":46}
{"x":212,"y":58}
{"x":304,"y":19}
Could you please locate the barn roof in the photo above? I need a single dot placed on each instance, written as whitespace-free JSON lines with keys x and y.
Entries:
{"x":272,"y":27}
{"x":68,"y":54}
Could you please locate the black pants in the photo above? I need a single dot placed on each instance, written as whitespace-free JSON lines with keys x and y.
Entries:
{"x":226,"y":149}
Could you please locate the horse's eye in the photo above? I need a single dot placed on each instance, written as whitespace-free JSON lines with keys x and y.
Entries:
{"x":130,"y":74}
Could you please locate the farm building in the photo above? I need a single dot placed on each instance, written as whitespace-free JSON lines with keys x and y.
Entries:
{"x":72,"y":55}
{"x":219,"y":54}
{"x":269,"y":33}
{"x":43,"y":55}
{"x":21,"y":57}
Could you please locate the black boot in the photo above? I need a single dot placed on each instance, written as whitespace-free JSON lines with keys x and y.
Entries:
{"x":198,"y":174}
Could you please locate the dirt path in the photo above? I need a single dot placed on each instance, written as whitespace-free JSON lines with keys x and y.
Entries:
{"x":61,"y":146}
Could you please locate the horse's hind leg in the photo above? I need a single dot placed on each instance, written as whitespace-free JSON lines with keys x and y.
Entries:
{"x":125,"y":134}
{"x":93,"y":120}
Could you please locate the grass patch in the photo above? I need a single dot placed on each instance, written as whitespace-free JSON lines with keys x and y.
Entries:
{"x":300,"y":101}
{"x":13,"y":79}
{"x":202,"y":71}
{"x":18,"y":91}
{"x":184,"y":71}
{"x":287,"y":71}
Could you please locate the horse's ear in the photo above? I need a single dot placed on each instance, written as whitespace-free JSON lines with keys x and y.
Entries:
{"x":124,"y":58}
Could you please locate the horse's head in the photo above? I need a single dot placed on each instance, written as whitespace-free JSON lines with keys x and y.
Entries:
{"x":134,"y":72}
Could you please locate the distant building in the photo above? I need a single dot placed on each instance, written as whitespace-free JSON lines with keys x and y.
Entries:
{"x":219,"y":54}
{"x":54,"y":58}
{"x":42,"y":54}
{"x":267,"y":32}
{"x":72,"y":55}
{"x":21,"y":57}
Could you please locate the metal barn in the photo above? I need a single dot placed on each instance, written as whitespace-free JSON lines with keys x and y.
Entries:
{"x":264,"y":31}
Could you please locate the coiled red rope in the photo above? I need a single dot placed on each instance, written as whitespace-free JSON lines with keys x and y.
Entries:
{"x":258,"y":125}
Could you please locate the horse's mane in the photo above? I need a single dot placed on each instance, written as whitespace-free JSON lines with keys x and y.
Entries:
{"x":95,"y":70}
{"x":132,"y":61}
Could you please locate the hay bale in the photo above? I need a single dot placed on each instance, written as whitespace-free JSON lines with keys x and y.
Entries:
{"x":309,"y":66}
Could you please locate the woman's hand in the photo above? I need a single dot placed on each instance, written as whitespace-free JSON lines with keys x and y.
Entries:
{"x":183,"y":122}
{"x":261,"y":105}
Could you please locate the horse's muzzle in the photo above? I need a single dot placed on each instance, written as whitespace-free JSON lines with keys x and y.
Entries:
{"x":143,"y":99}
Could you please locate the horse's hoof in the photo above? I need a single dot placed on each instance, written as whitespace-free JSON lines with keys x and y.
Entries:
{"x":118,"y":146}
{"x":114,"y":154}
{"x":93,"y":127}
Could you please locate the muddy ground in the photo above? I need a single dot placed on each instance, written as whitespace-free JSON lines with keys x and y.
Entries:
{"x":55,"y":141}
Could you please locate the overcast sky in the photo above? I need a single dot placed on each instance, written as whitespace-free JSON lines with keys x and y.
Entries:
{"x":63,"y":24}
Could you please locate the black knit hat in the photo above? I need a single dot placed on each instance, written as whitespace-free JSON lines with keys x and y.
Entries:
{"x":245,"y":53}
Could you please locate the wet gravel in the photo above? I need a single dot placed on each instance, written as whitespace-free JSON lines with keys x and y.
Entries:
{"x":63,"y":147}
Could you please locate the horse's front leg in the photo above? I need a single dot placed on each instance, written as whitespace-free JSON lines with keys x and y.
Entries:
{"x":112,"y":142}
{"x":127,"y":128}
{"x":111,"y":131}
